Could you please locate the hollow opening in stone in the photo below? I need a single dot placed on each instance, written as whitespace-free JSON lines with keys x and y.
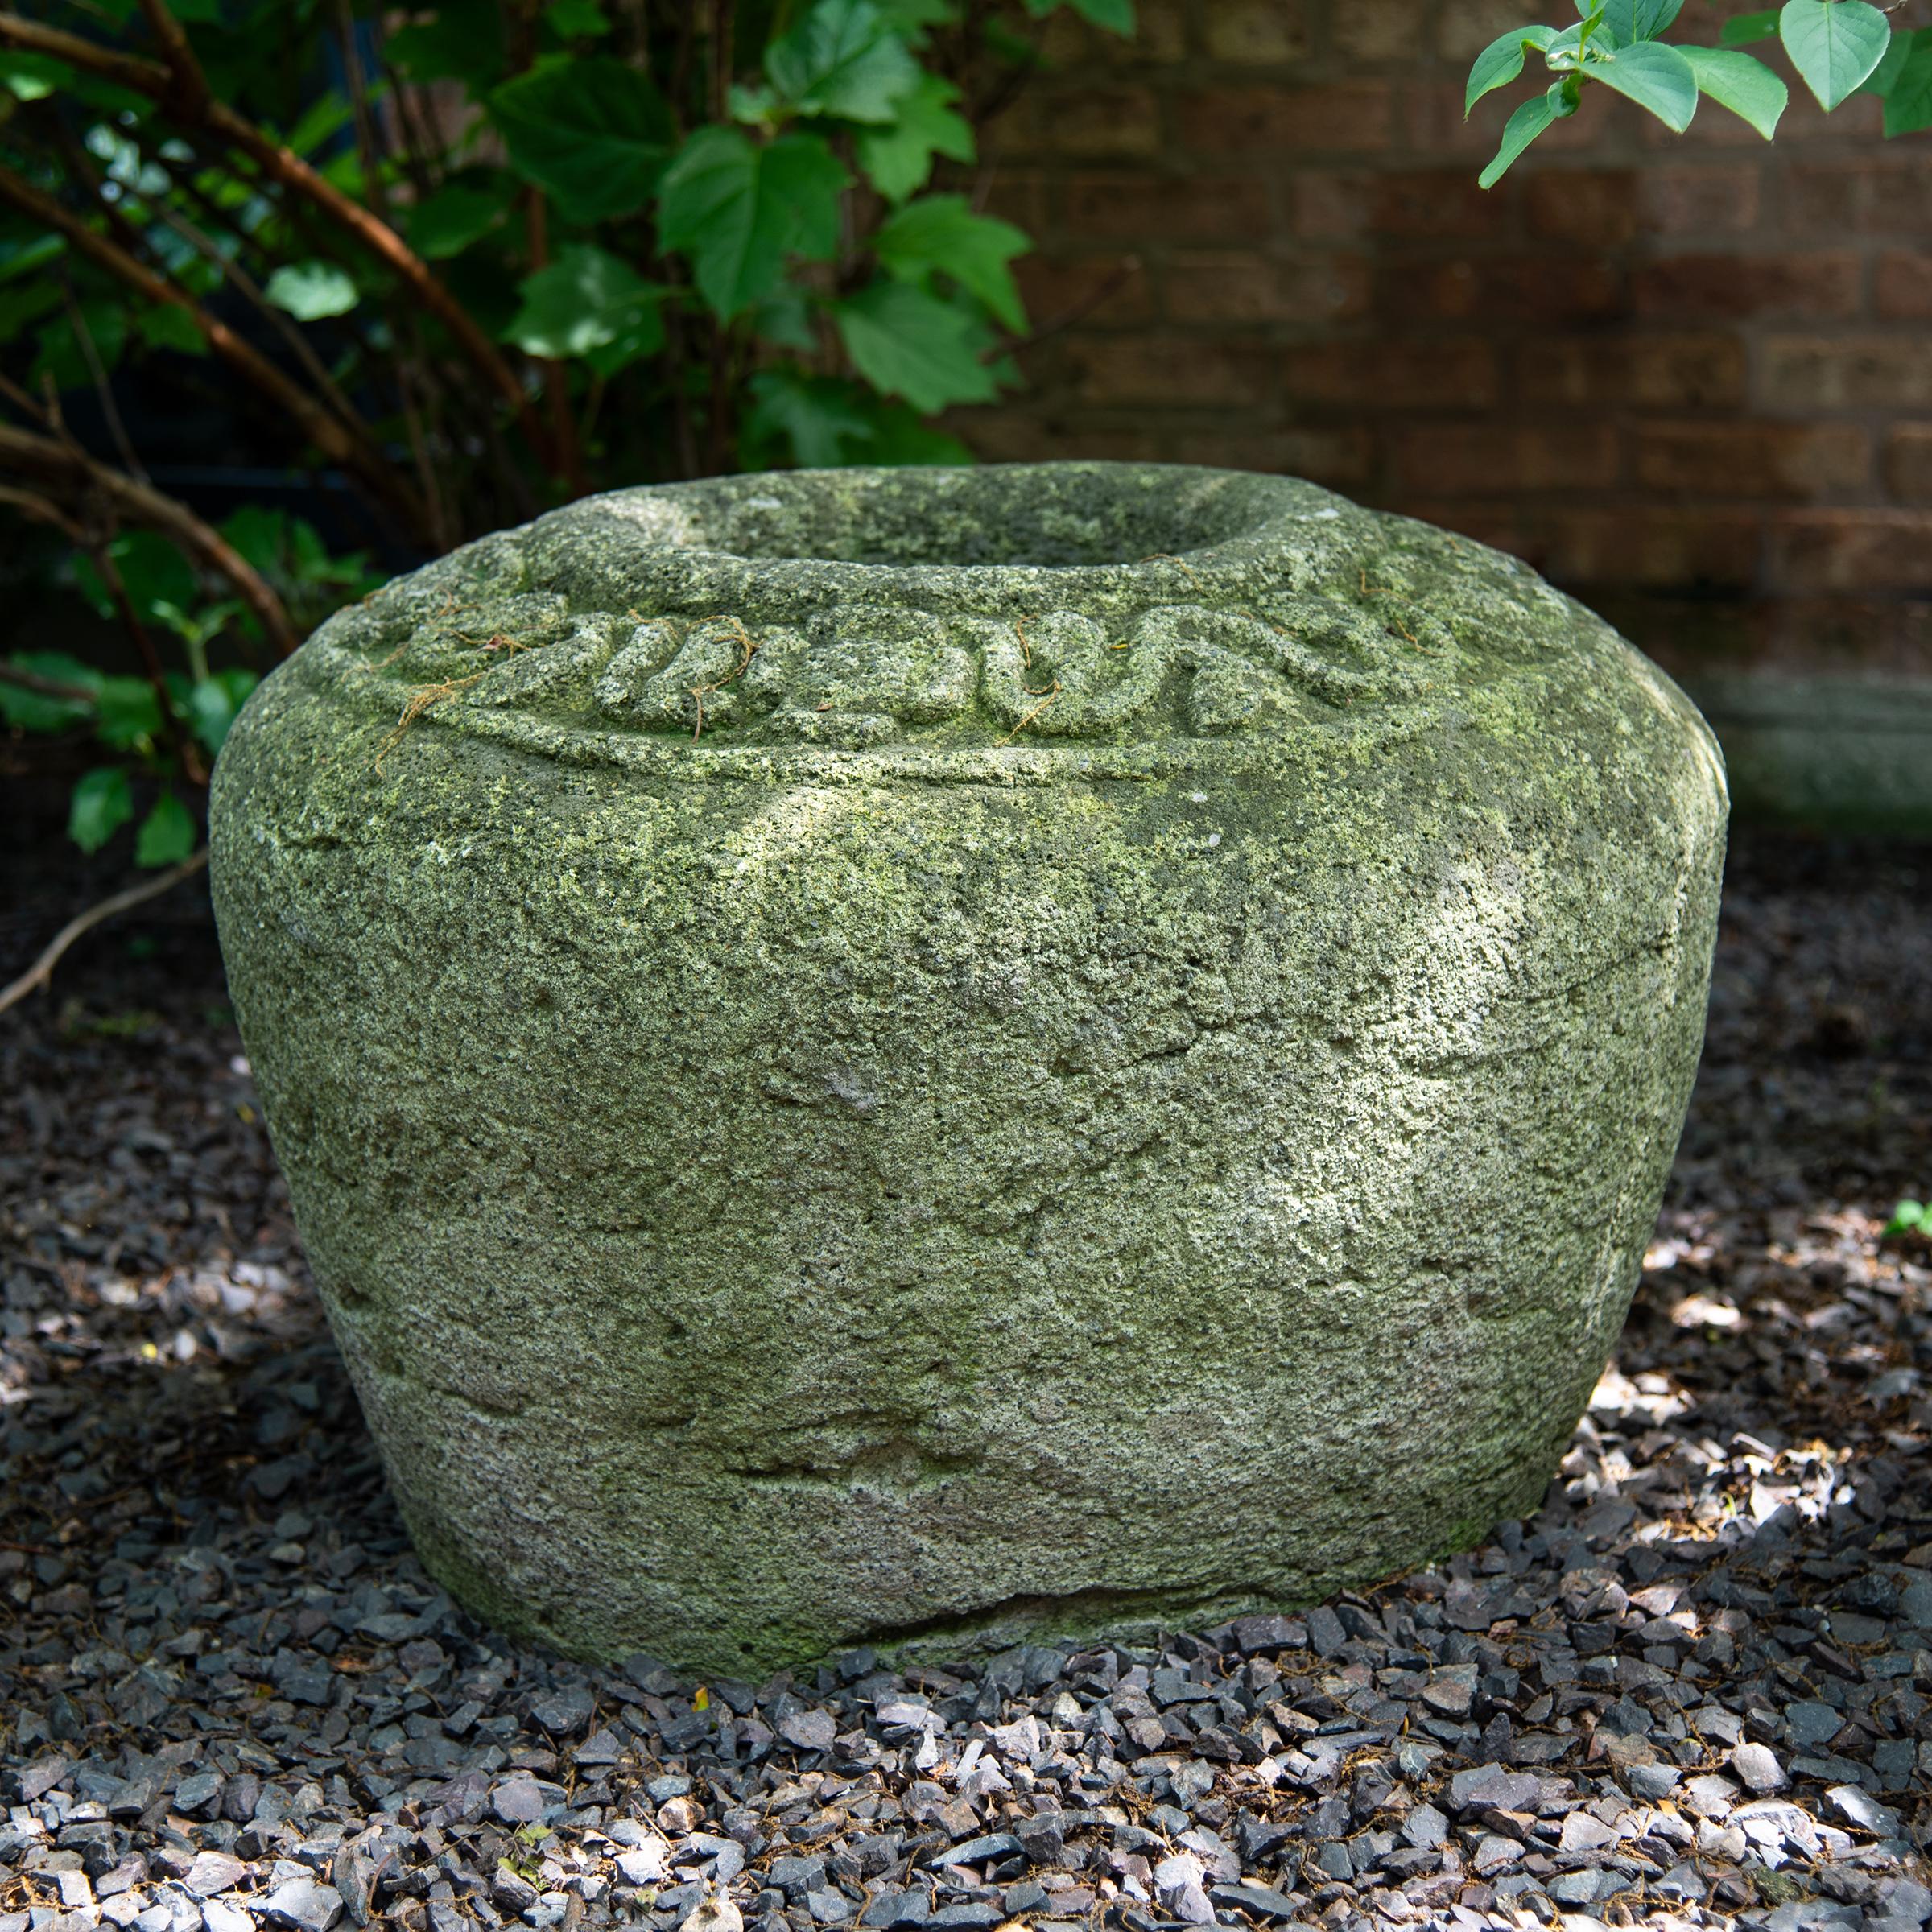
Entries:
{"x":1054,"y":516}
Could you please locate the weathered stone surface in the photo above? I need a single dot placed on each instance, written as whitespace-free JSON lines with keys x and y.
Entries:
{"x":911,"y":1056}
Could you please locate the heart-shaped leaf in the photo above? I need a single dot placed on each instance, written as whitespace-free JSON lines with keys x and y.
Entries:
{"x":1909,"y":100}
{"x":1833,"y":43}
{"x":592,"y":132}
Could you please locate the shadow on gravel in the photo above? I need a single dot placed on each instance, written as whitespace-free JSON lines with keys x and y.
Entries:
{"x":1692,"y":1690}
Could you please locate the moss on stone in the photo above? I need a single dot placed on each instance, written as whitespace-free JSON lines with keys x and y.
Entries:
{"x":801,"y":1146}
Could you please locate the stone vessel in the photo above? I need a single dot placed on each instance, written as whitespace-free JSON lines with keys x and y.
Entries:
{"x":919,"y":1057}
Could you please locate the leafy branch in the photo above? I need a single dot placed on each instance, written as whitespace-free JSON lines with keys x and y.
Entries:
{"x":1837,"y":48}
{"x":519,"y":249}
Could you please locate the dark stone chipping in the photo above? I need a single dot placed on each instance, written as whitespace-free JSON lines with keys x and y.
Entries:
{"x":1752,"y":1473}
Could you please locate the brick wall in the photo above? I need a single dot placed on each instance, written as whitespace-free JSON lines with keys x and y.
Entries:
{"x":1691,"y":379}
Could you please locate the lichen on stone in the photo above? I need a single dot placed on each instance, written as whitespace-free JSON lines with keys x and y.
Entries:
{"x":909,"y":1056}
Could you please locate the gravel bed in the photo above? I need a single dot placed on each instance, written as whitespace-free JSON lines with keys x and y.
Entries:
{"x":1693,"y":1690}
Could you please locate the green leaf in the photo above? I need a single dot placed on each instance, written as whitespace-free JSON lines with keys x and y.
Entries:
{"x":310,"y":290}
{"x":909,"y":18}
{"x":1909,"y":104}
{"x":445,"y":223}
{"x":1116,"y":16}
{"x":784,"y":318}
{"x":167,"y":835}
{"x":901,"y":439}
{"x":1891,"y":62}
{"x":1746,"y":28}
{"x":592,"y":131}
{"x":34,"y":77}
{"x":22,"y":254}
{"x":1501,"y":61}
{"x":1657,"y":77}
{"x":1833,"y":43}
{"x":941,"y":233}
{"x":62,"y":356}
{"x":906,"y":342}
{"x":588,"y":300}
{"x":1634,"y":20}
{"x":214,"y":701}
{"x":1909,"y":1217}
{"x":100,"y":805}
{"x":897,"y":158}
{"x":738,"y":209}
{"x":820,"y":421}
{"x":163,"y":326}
{"x":127,"y":714}
{"x":1519,"y":131}
{"x":259,"y":532}
{"x":152,"y":571}
{"x":34,"y":710}
{"x":576,"y":19}
{"x":1735,"y":80}
{"x":842,"y":60}
{"x":463,"y":41}
{"x":25,"y":305}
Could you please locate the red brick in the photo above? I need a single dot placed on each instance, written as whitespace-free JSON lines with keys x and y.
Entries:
{"x":1588,"y":208}
{"x":1908,"y":463}
{"x":1465,"y":27}
{"x":1701,"y":371}
{"x":1860,"y":196}
{"x":1633,"y":546}
{"x":1436,"y":204}
{"x":1709,"y":287}
{"x":1846,"y":372}
{"x":1108,"y":290}
{"x":1454,"y":373}
{"x":1174,"y":369}
{"x":1856,"y":551}
{"x":1347,"y":116}
{"x":1137,"y":208}
{"x":1699,"y":201}
{"x":1581,"y":288}
{"x":1799,"y":461}
{"x":1089,"y":123}
{"x":1026,"y":433}
{"x":1435,"y":128}
{"x":1248,"y":288}
{"x":1343,"y":459}
{"x":1903,"y":285}
{"x":1604,"y":207}
{"x":1159,"y":38}
{"x":1372,"y":30}
{"x":1858,"y":124}
{"x":1022,"y":196}
{"x":1323,"y":206}
{"x":1465,"y":459}
{"x":1714,"y":550}
{"x":1257,"y":32}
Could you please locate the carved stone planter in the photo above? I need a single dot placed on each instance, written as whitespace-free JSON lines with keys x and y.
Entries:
{"x":919,"y":1056}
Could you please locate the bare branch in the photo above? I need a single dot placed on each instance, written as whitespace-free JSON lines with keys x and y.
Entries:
{"x":40,"y":686}
{"x":284,"y":166}
{"x":190,"y":95}
{"x":48,"y":458}
{"x":42,"y":971}
{"x":336,"y":441}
